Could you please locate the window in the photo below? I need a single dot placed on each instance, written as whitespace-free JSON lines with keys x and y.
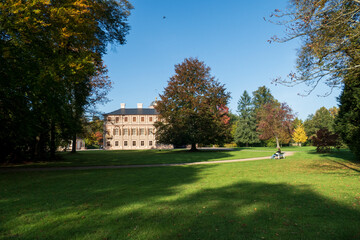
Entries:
{"x":125,"y":143}
{"x":117,"y":119}
{"x":142,"y":131}
{"x":142,"y":143}
{"x":109,"y":119}
{"x":134,"y":119}
{"x":116,"y":131}
{"x":108,"y":143}
{"x":150,"y":130}
{"x":150,"y":119}
{"x":142,"y":119}
{"x":116,"y":143}
{"x":125,"y":119}
{"x":150,"y":143}
{"x":134,"y":143}
{"x":125,"y":131}
{"x":133,"y":131}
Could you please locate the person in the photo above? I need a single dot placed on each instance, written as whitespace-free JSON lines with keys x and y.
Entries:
{"x":278,"y":152}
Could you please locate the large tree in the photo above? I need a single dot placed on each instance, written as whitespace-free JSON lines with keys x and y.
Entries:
{"x":51,"y":63}
{"x":348,"y":119}
{"x":330,"y":33}
{"x":192,"y":109}
{"x":262,"y":96}
{"x":246,"y":133}
{"x":275,"y":121}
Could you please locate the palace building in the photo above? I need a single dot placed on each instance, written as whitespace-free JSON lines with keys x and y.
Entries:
{"x":130,"y":128}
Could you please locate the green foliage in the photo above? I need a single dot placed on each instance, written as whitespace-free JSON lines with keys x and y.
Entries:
{"x":323,"y":118}
{"x":93,"y":132}
{"x":193,"y":108}
{"x":348,"y":119}
{"x":261,"y":97}
{"x":245,"y":133}
{"x":51,"y":69}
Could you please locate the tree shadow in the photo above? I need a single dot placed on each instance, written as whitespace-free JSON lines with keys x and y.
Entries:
{"x":119,"y":204}
{"x":340,"y":159}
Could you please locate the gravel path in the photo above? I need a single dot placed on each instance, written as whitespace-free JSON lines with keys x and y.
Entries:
{"x":27,"y":169}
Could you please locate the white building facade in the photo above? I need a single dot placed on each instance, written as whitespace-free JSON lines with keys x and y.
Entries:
{"x":130,"y":128}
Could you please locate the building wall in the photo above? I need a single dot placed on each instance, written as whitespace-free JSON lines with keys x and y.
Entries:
{"x":129,"y":132}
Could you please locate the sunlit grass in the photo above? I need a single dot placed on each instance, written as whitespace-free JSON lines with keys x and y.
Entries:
{"x":306,"y":196}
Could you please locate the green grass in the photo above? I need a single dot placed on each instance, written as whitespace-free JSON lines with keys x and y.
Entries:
{"x":306,"y":196}
{"x":136,"y":157}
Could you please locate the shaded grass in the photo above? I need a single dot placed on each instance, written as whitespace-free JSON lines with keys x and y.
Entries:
{"x":306,"y":196}
{"x":136,"y":157}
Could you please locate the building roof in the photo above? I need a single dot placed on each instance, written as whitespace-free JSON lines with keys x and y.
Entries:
{"x":134,"y":111}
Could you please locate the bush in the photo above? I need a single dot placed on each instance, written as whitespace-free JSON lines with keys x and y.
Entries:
{"x":325,"y":140}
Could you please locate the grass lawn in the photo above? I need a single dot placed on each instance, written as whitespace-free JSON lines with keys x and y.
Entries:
{"x":136,"y":157}
{"x":306,"y":196}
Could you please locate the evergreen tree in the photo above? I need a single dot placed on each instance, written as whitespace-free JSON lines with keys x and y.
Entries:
{"x":262,"y":96}
{"x":348,"y":119}
{"x":245,"y":133}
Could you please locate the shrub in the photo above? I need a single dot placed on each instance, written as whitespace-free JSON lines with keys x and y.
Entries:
{"x":325,"y":140}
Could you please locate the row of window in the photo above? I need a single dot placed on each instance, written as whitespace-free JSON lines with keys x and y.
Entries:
{"x":134,"y":131}
{"x":142,"y":143}
{"x":126,"y":119}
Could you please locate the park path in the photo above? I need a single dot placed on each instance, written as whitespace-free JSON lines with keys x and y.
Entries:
{"x":28,"y":169}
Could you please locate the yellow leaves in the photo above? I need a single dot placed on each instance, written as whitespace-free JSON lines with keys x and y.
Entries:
{"x":299,"y":135}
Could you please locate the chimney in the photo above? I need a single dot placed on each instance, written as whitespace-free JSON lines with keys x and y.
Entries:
{"x":122,"y":105}
{"x":139,"y":105}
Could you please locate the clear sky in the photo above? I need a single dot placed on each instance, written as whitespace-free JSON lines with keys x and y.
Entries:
{"x":230,"y":36}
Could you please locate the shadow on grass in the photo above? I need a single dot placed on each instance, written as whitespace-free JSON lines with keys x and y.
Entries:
{"x":344,"y":159}
{"x":136,"y":157}
{"x":166,"y":203}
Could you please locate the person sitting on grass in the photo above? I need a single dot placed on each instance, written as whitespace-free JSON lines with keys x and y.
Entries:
{"x":278,"y":152}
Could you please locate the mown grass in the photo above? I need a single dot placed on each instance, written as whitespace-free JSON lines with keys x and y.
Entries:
{"x":306,"y":196}
{"x":136,"y":157}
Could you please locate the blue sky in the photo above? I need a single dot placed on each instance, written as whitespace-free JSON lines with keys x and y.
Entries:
{"x":229,"y":36}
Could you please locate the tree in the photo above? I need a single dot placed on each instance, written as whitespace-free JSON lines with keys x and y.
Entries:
{"x":93,"y":132}
{"x":51,"y":54}
{"x":322,"y":119}
{"x":297,"y":122}
{"x":329,"y":30}
{"x":261,"y":97}
{"x":192,"y":109}
{"x":348,"y":119}
{"x":324,"y":140}
{"x":299,"y":135}
{"x":275,"y":121}
{"x":245,"y":133}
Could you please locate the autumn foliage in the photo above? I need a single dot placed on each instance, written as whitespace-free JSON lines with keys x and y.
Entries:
{"x":193,"y":107}
{"x":299,"y":134}
{"x":275,"y":121}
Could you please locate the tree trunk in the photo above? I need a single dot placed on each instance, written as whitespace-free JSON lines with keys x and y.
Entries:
{"x":193,"y":147}
{"x":52,"y":141}
{"x":73,"y":149}
{"x":277,"y":143}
